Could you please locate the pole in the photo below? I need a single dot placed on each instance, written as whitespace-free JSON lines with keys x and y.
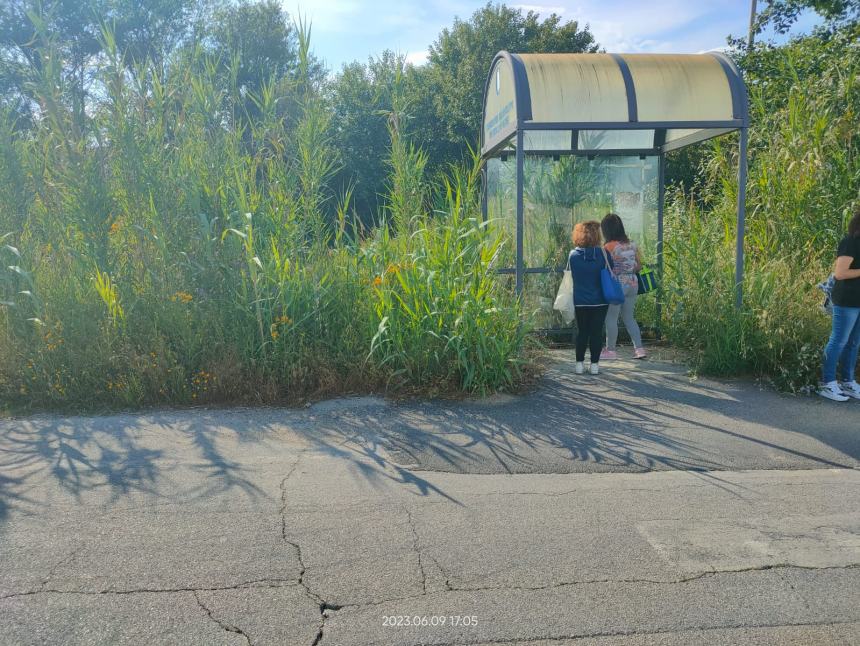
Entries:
{"x":742,"y":199}
{"x":751,"y":38}
{"x":661,"y":198}
{"x":485,"y":188}
{"x":520,"y":165}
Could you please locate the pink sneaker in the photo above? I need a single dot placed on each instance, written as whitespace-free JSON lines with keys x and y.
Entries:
{"x":608,"y":354}
{"x":639,"y":353}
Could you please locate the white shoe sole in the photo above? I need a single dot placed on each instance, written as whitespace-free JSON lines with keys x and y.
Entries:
{"x":851,"y":393}
{"x":828,"y":394}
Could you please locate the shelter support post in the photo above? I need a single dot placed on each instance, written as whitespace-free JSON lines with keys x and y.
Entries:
{"x":742,"y":199}
{"x":520,"y":166}
{"x":661,"y":198}
{"x":485,"y":189}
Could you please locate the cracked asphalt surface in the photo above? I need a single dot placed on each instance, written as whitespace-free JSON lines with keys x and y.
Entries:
{"x":637,"y":507}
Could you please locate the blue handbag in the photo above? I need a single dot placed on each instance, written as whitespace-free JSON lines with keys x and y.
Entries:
{"x":612,"y":291}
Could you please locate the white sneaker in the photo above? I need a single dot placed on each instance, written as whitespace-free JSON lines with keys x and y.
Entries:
{"x":850,"y":388}
{"x":832,"y":391}
{"x":594,"y":369}
{"x":579,"y":368}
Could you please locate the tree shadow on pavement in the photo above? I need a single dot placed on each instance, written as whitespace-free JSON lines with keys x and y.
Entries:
{"x":632,"y":418}
{"x":110,"y":458}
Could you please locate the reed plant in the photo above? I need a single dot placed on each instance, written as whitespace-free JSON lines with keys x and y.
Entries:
{"x":804,"y":183}
{"x":169,"y":245}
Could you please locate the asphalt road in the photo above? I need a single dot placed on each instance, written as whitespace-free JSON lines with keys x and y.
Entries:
{"x":637,"y":507}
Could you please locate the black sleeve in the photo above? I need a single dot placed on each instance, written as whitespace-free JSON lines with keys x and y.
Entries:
{"x":846,"y":248}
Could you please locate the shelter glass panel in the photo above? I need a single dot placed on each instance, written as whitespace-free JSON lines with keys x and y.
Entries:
{"x":502,"y":205}
{"x":558,"y":193}
{"x":539,"y":292}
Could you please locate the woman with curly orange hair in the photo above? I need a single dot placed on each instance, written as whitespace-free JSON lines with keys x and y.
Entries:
{"x":586,"y":261}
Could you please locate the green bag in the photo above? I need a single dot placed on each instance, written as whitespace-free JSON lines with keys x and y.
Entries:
{"x":647,"y":280}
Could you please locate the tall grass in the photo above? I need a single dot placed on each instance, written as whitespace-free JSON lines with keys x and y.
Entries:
{"x":804,"y":183}
{"x":168,"y":246}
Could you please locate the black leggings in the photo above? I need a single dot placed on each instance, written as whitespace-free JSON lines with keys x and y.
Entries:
{"x":589,"y":331}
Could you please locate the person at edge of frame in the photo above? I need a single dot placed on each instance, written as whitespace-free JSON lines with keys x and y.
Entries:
{"x":844,"y":343}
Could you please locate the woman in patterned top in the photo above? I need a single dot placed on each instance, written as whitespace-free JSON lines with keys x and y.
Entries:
{"x":626,"y":263}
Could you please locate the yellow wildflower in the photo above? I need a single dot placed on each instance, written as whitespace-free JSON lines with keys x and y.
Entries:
{"x":182,"y":297}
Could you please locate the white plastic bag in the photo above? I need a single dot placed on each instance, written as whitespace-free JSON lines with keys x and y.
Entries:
{"x":564,"y":298}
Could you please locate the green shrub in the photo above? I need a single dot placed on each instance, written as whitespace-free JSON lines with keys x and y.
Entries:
{"x":166,"y":248}
{"x":804,"y":182}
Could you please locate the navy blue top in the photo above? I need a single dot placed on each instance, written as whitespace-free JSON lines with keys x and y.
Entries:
{"x":585,"y":265}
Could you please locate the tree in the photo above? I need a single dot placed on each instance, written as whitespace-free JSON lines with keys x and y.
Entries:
{"x":782,"y":14}
{"x":68,"y":27}
{"x":440,"y":103}
{"x":362,"y":97}
{"x":257,"y":46}
{"x":259,"y":37}
{"x":452,"y":83}
{"x":70,"y":33}
{"x":151,"y":30}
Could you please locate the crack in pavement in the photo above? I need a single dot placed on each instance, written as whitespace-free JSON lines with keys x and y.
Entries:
{"x":271,"y":583}
{"x":450,"y":589}
{"x":328,"y":607}
{"x":799,"y":594}
{"x":441,"y":571}
{"x":63,"y":561}
{"x":313,"y":596}
{"x":696,"y":577}
{"x":224,"y":625}
{"x":416,"y":546}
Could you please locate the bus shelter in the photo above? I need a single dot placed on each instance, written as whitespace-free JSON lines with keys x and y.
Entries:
{"x":571,"y":137}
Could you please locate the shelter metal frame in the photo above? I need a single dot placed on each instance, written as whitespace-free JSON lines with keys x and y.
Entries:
{"x":702,"y":129}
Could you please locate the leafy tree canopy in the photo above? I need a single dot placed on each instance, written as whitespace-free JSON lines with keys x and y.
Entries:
{"x":781,"y":15}
{"x":440,"y":102}
{"x":459,"y":60}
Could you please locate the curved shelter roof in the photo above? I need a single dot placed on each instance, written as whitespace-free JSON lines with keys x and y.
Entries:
{"x":611,"y":102}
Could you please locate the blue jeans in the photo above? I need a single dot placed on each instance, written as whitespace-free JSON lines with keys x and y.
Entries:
{"x":843,"y":345}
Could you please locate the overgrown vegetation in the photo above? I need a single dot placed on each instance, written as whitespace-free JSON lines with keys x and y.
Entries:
{"x":804,"y":183}
{"x":192,"y":210}
{"x":174,"y":245}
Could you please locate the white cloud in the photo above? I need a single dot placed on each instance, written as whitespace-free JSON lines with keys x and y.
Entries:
{"x":346,"y":30}
{"x":417,"y":58}
{"x":327,"y":16}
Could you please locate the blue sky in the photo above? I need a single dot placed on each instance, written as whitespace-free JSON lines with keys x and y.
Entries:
{"x":347,"y":30}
